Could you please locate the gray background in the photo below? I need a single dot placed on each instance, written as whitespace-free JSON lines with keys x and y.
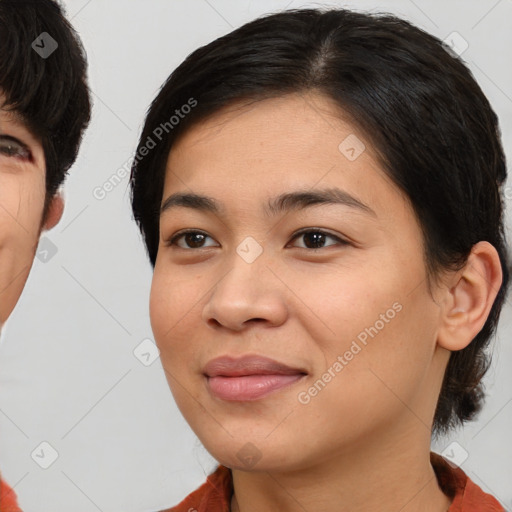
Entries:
{"x":68,"y":374}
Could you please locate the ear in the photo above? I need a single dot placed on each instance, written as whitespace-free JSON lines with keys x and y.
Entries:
{"x":469,"y":297}
{"x":55,"y":211}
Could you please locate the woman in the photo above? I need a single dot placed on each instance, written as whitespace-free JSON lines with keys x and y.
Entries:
{"x":320,"y":194}
{"x":44,"y":109}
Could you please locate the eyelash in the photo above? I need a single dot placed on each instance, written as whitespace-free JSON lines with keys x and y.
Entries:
{"x":21,"y":151}
{"x":179,"y":235}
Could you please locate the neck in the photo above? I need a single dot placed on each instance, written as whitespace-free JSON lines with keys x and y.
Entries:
{"x":365,"y":479}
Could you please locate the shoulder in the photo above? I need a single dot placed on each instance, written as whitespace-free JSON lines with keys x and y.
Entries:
{"x":213,"y":496}
{"x":8,"y":499}
{"x":466,"y":495}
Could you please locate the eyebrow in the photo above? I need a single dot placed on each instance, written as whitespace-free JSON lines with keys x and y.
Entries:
{"x":281,"y":204}
{"x":14,"y":117}
{"x":18,"y":120}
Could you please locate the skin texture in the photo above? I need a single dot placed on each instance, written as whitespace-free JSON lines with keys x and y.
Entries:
{"x":22,"y":196}
{"x":363,"y":441}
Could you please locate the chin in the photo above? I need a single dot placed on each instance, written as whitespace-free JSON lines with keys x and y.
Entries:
{"x":252,"y":453}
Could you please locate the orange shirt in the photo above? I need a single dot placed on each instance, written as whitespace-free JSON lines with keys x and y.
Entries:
{"x":8,"y":502}
{"x":215,"y":494}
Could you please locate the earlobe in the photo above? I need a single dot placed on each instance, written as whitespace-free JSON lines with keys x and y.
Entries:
{"x":469,"y":300}
{"x":55,"y":212}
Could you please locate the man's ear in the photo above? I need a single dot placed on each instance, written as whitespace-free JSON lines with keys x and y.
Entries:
{"x":55,"y":211}
{"x":468,"y":301}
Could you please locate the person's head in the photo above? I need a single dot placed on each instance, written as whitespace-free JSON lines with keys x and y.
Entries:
{"x":44,"y":110}
{"x":387,"y":324}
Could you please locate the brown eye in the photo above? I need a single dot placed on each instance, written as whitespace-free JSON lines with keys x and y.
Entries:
{"x":316,"y":239}
{"x":191,"y":240}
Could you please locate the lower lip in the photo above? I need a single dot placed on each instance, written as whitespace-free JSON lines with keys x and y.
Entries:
{"x":249,"y":387}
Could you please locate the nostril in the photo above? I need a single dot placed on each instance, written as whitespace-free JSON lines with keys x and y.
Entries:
{"x":213,"y":322}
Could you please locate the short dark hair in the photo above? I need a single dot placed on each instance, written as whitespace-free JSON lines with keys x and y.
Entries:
{"x":435,"y":132}
{"x":50,"y":94}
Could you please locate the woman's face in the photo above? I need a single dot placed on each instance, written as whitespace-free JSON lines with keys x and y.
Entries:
{"x":22,"y":195}
{"x":326,"y":338}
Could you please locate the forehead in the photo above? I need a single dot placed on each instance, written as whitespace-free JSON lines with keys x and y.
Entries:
{"x":283,"y":128}
{"x":273,"y":142}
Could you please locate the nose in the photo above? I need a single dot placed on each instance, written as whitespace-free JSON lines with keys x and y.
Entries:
{"x":248,"y":293}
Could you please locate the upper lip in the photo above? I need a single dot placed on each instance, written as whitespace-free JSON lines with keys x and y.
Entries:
{"x":228,"y":366}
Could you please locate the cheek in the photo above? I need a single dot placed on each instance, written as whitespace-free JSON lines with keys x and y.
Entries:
{"x":175,"y":303}
{"x":378,"y":362}
{"x":174,"y":308}
{"x":337,"y":303}
{"x":21,"y":205}
{"x":372,"y":322}
{"x":21,"y":208}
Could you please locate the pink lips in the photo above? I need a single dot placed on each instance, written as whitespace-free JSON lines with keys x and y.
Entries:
{"x":248,"y":378}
